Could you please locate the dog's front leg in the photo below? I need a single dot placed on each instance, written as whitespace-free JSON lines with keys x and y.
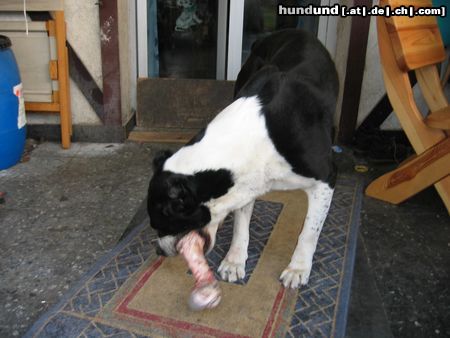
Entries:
{"x":232,"y":267}
{"x":298,"y":270}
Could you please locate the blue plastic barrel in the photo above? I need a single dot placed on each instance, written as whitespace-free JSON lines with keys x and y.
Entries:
{"x":12,"y":110}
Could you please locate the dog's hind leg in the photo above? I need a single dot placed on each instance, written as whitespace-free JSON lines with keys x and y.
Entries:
{"x":298,"y":270}
{"x":232,"y":267}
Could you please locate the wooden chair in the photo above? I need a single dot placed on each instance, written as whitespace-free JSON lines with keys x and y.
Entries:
{"x":58,"y":66}
{"x":408,"y":44}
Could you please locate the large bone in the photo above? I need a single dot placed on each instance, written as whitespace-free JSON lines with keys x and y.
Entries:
{"x":206,"y":293}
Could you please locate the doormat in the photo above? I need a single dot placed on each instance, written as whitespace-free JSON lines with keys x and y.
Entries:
{"x":131,"y":292}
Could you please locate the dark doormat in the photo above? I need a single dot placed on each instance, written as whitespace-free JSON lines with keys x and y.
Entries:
{"x":133,"y":293}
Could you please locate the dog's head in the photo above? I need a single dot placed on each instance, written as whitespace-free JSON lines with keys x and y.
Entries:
{"x":174,"y":206}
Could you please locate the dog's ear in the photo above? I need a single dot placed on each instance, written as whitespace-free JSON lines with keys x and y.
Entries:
{"x":160,"y":159}
{"x":213,"y":183}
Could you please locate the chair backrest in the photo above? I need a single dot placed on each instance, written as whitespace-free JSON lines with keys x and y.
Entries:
{"x":416,"y":40}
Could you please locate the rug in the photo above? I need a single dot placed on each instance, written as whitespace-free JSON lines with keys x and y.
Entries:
{"x":131,"y":292}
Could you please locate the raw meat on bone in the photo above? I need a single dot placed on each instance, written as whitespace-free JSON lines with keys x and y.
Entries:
{"x":206,"y":293}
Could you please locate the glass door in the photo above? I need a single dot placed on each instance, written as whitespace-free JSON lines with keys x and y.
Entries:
{"x":253,"y":19}
{"x":180,"y":38}
{"x":211,"y":39}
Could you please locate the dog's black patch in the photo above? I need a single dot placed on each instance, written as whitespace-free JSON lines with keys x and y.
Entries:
{"x":296,"y":81}
{"x":213,"y":183}
{"x":176,"y":202}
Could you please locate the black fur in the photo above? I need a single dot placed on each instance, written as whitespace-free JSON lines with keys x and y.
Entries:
{"x":213,"y":183}
{"x":160,"y":159}
{"x":175,"y":201}
{"x":295,"y":79}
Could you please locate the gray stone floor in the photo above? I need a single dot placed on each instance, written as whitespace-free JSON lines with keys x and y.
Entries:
{"x":65,"y":209}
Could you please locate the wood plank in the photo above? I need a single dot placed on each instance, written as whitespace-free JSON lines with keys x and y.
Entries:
{"x":53,"y":69}
{"x":430,"y":85}
{"x":439,"y":119}
{"x":395,"y":23}
{"x":69,"y":110}
{"x":42,"y":107}
{"x":398,"y":23}
{"x":418,"y":174}
{"x":109,"y":43}
{"x":161,"y":137}
{"x":86,"y":83}
{"x":63,"y":80}
{"x":51,"y":27}
{"x":34,"y":5}
{"x":419,"y":48}
{"x":55,"y":96}
{"x":416,"y":41}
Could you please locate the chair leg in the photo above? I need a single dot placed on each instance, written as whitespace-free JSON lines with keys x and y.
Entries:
{"x":63,"y":81}
{"x":430,"y":167}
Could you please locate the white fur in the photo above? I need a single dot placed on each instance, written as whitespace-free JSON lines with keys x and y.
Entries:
{"x":168,"y":243}
{"x":232,"y":267}
{"x":299,"y":269}
{"x":237,"y":140}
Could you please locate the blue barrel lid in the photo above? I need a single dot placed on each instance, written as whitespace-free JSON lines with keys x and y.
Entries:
{"x":5,"y":42}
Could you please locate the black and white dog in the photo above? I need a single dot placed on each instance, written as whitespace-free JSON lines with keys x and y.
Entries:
{"x":276,"y":135}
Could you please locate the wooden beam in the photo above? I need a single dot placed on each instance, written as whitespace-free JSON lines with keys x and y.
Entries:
{"x":109,"y":40}
{"x":63,"y":79}
{"x":439,"y":119}
{"x":53,"y":69}
{"x":86,"y":83}
{"x":161,"y":137}
{"x":42,"y":107}
{"x":418,"y":173}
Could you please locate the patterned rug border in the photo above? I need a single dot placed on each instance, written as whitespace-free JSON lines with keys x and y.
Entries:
{"x":343,"y":297}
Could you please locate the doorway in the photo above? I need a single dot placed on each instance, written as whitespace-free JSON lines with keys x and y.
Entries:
{"x":194,"y":49}
{"x":211,"y":39}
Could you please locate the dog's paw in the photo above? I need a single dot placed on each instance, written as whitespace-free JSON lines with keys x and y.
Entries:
{"x":230,"y":271}
{"x":293,"y":278}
